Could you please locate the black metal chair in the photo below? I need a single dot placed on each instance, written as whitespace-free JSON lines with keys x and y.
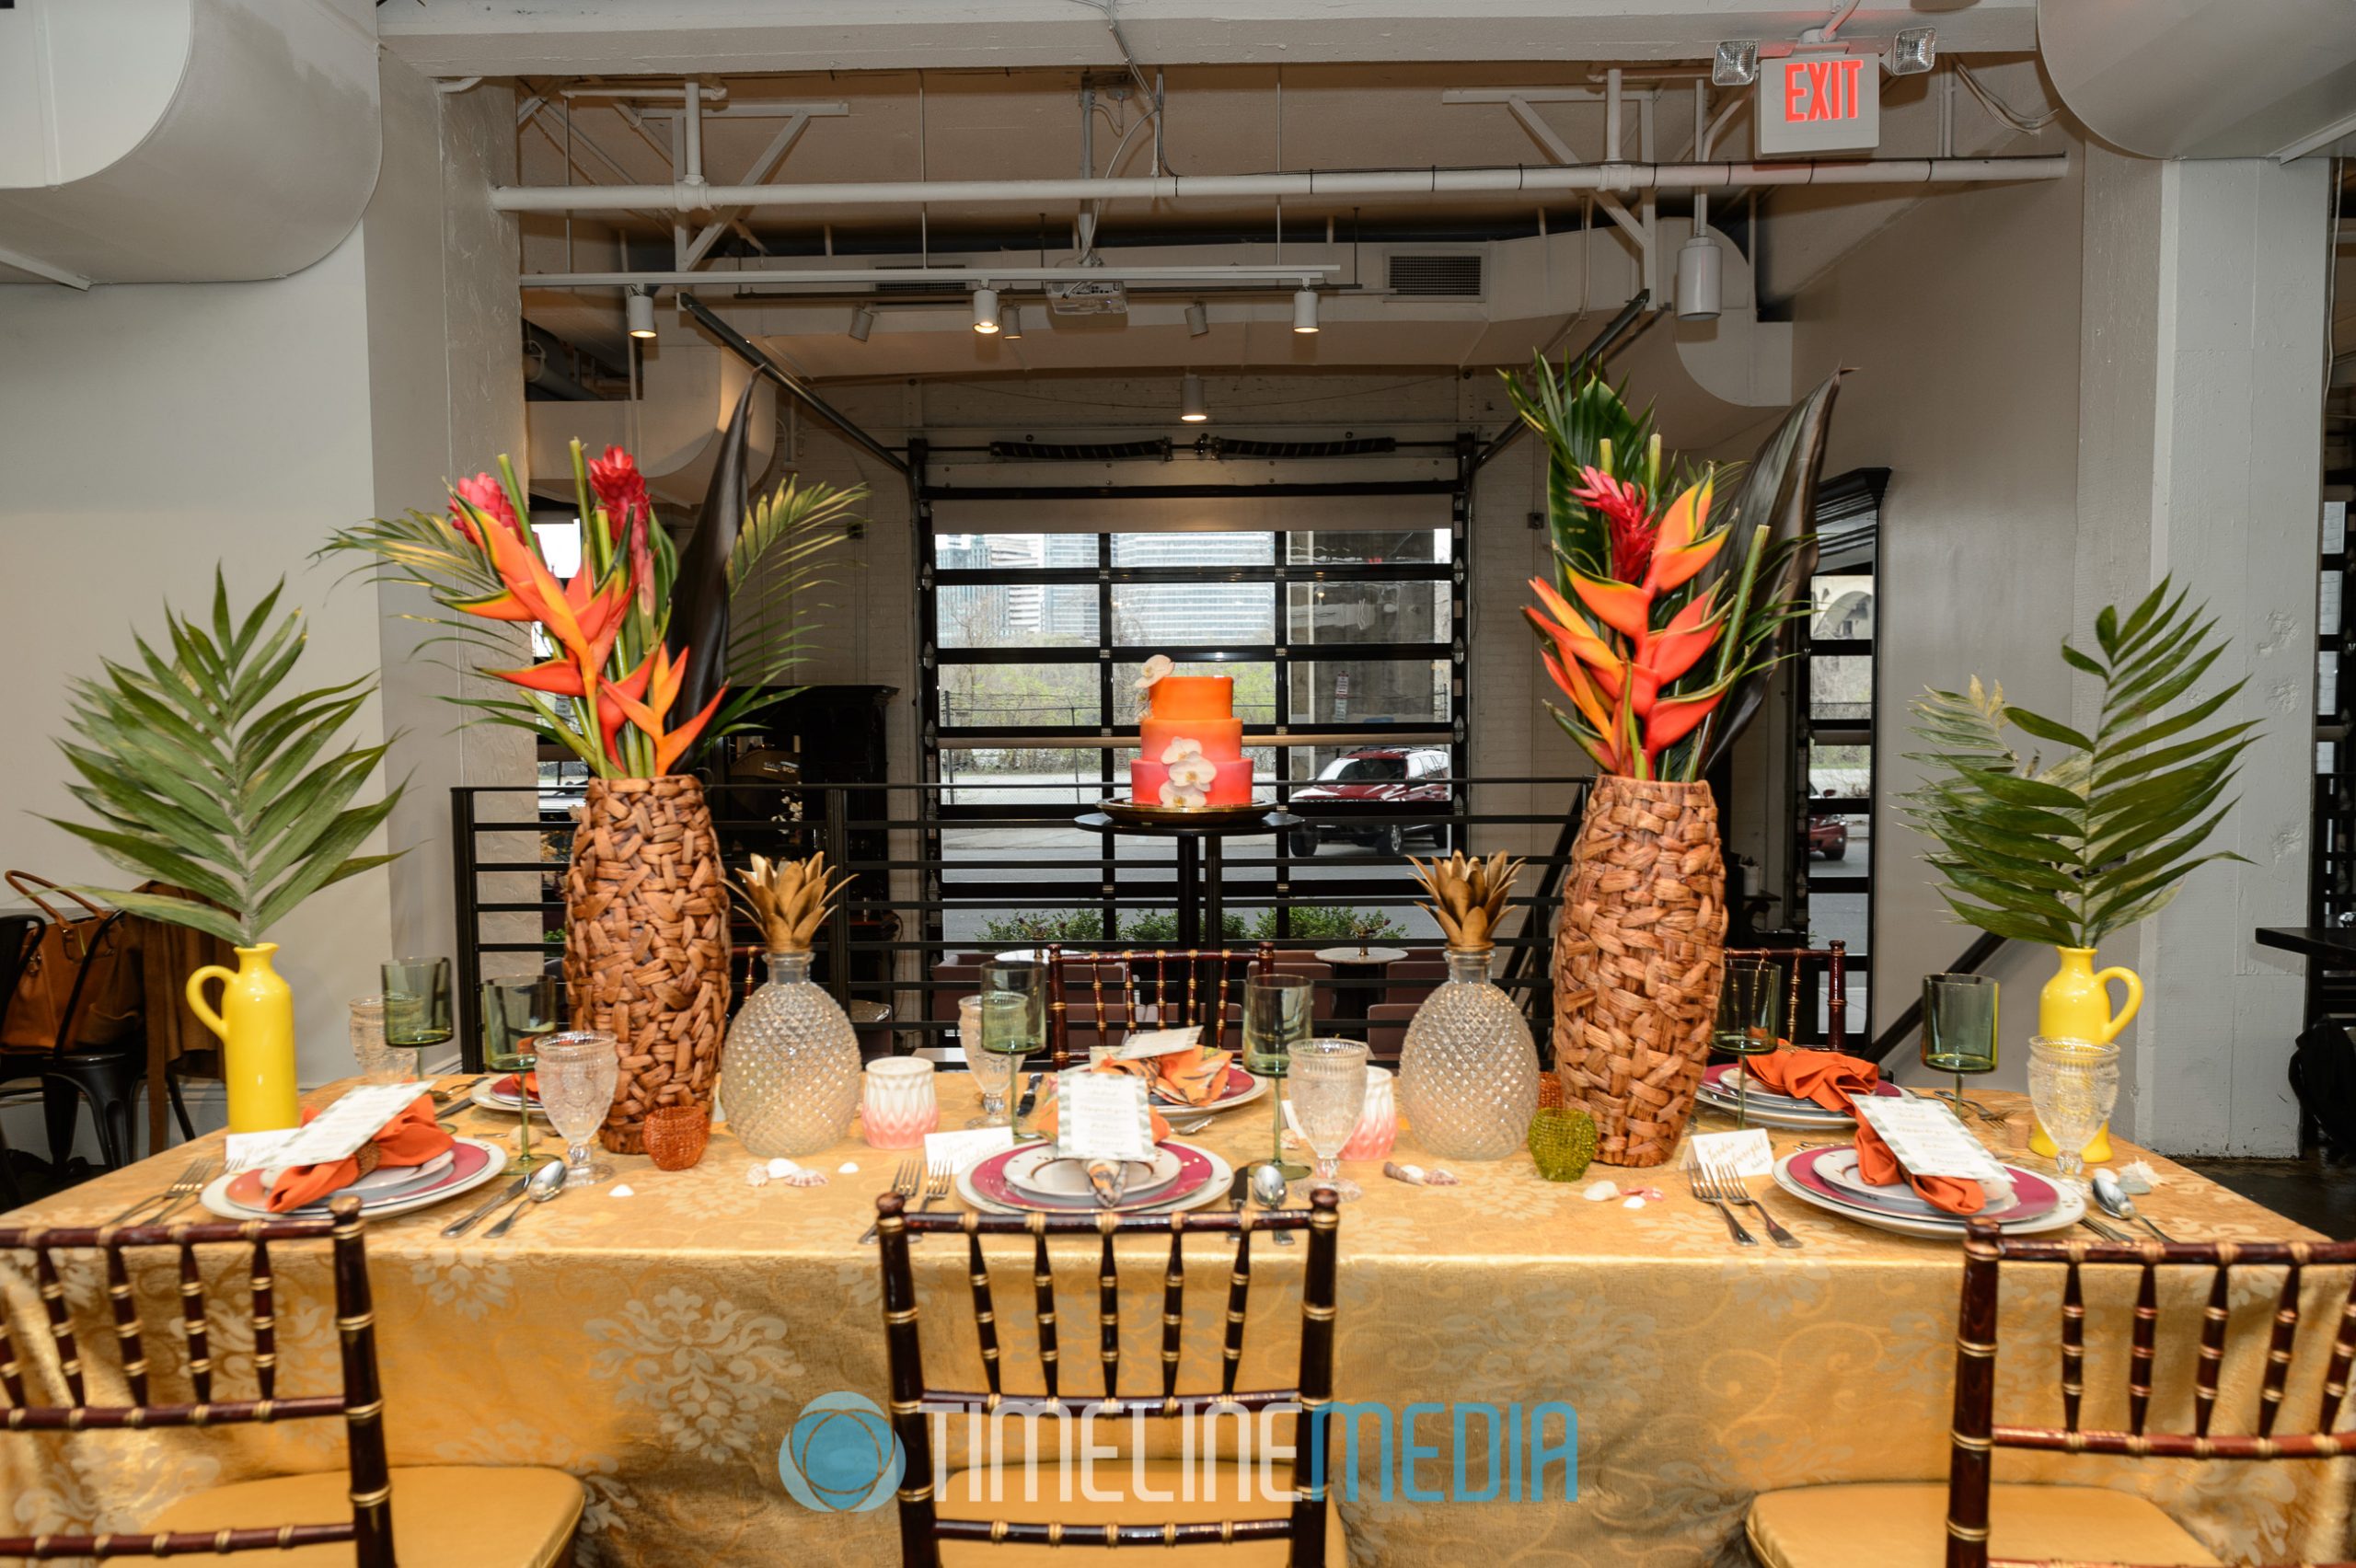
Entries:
{"x":1311,"y":1534}
{"x":494,"y":1517}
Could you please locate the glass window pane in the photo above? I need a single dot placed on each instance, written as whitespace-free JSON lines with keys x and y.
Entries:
{"x":1194,"y":549}
{"x":1844,"y":606}
{"x":1334,"y":548}
{"x":2326,"y":683}
{"x":1045,"y":774}
{"x":1841,"y":688}
{"x":2328,"y":605}
{"x":1366,"y":612}
{"x":1366,"y":691}
{"x":1844,"y":772}
{"x":1158,"y":616}
{"x":1255,"y":686}
{"x":1014,"y":552}
{"x":1017,"y":614}
{"x":1014,"y":696}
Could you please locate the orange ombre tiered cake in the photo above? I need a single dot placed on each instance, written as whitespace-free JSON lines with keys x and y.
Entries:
{"x":1191,"y":743}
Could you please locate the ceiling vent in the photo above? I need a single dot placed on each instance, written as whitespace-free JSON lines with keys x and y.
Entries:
{"x":1456,"y":275}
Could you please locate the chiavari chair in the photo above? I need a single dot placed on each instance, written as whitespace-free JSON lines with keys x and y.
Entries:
{"x":1988,"y":1525}
{"x":1310,"y":1534}
{"x":1834,"y":956}
{"x":491,"y":1517}
{"x":1172,"y":987}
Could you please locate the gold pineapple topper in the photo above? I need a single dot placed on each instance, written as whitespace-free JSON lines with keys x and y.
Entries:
{"x":790,"y":898}
{"x":1468,"y":896}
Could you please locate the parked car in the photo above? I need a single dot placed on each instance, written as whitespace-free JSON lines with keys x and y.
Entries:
{"x":1373,"y":775}
{"x":1829,"y":837}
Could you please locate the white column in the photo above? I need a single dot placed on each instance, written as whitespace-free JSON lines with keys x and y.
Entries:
{"x":2203,"y":353}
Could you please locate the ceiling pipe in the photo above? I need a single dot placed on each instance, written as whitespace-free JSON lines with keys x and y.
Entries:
{"x":686,"y":197}
{"x":744,"y":348}
{"x":1291,"y":275}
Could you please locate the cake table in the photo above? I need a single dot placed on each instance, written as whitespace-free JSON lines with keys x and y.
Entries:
{"x":1198,"y":851}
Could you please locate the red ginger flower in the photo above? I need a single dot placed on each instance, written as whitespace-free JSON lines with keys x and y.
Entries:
{"x":486,"y":495}
{"x":1628,"y":512}
{"x":622,"y":489}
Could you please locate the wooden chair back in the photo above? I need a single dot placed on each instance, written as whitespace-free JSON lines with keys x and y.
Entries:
{"x":1179,"y":986}
{"x":1835,"y":958}
{"x":1974,"y":1434}
{"x":913,"y":1400}
{"x":1386,"y":1031}
{"x":361,"y":1403}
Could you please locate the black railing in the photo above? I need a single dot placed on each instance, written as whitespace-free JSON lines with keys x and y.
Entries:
{"x":1910,"y":1018}
{"x":937,"y":885}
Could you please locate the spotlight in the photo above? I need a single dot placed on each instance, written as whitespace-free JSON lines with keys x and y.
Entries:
{"x":1913,"y":51}
{"x":986,"y":310}
{"x":640,"y":305}
{"x":1013,"y":322}
{"x":1198,"y":320}
{"x":1737,"y":65}
{"x":1697,"y":279}
{"x":1190,"y":399}
{"x":1304,"y":310}
{"x":862,"y":322}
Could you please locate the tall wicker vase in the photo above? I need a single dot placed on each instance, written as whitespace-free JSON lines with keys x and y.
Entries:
{"x":1637,"y":960}
{"x":646,"y":944}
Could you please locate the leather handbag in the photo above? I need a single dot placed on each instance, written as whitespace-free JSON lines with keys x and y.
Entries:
{"x":112,"y":998}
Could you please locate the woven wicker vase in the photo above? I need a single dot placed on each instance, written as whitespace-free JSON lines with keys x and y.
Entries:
{"x":646,"y":944}
{"x":1638,"y":959}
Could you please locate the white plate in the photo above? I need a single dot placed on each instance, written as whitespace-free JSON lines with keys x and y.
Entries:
{"x":2067,"y":1212}
{"x":387,"y":1180}
{"x":1213,"y":1191}
{"x":214,"y":1196}
{"x":1838,"y":1168}
{"x":483,"y":1097}
{"x":1814,"y":1118}
{"x":1037,"y":1172}
{"x":1179,"y":1108}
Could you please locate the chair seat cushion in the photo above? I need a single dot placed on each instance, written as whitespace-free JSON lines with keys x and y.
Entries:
{"x":449,"y":1515}
{"x":1904,"y":1525}
{"x":1160,"y":1477}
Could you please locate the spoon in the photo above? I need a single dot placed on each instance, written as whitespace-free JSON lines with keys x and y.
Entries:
{"x":546,"y":1183}
{"x":1268,"y":1191}
{"x":2118,"y":1206}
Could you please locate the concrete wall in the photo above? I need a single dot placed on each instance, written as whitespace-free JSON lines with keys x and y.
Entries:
{"x":149,"y":430}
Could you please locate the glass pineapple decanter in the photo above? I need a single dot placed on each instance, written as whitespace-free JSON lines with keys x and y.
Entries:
{"x":790,"y":1075}
{"x":1468,"y":1074}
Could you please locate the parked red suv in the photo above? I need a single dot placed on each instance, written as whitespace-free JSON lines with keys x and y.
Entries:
{"x":1390,"y":776}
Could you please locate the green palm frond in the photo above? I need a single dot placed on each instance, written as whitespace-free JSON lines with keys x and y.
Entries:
{"x":770,"y":578}
{"x":196,"y":777}
{"x":2066,"y":851}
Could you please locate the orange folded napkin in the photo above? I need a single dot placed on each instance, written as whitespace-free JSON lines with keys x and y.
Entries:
{"x":1826,"y":1077}
{"x":1191,"y":1077}
{"x":411,"y":1138}
{"x":1042,"y":1120}
{"x":1879,"y":1168}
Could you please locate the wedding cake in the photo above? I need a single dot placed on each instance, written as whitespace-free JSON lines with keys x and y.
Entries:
{"x":1192,"y":744}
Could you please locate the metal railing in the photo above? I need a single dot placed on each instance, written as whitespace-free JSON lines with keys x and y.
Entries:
{"x":937,"y":885}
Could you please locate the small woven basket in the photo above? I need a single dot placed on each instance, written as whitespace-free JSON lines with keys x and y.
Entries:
{"x":675,"y":1135}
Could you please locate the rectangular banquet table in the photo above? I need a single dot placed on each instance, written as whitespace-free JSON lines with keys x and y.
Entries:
{"x":660,"y":1347}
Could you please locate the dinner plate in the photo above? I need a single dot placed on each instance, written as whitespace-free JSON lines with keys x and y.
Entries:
{"x":1240,"y":1087}
{"x":472,"y":1164}
{"x":1203,"y":1179}
{"x":491,"y":1100}
{"x":2068,"y":1209}
{"x":1036,"y":1171}
{"x":1837,"y":1169}
{"x":1718,"y":1079}
{"x":390,"y":1181}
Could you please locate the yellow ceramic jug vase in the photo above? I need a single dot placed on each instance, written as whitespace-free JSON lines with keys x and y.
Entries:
{"x":256,"y":1024}
{"x":2075,"y":1005}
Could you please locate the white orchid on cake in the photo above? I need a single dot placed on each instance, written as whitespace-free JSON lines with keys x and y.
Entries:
{"x":1152,"y":671}
{"x":1191,"y":774}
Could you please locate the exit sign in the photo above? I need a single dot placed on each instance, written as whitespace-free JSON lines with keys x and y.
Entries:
{"x":1818,"y":103}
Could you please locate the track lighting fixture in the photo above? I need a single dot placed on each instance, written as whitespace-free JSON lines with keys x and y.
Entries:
{"x":1304,"y":310}
{"x":1190,"y":399}
{"x":986,"y":311}
{"x":862,"y":322}
{"x":639,"y":307}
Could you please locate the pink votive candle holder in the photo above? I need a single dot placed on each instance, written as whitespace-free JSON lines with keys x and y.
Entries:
{"x":900,"y":1106}
{"x":1378,"y":1127}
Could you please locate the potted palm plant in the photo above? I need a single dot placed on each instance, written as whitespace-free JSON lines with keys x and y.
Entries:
{"x":198,"y":776}
{"x":650,"y":653}
{"x":1667,"y":610}
{"x":2089,"y":833}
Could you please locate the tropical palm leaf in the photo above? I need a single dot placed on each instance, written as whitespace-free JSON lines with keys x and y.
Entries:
{"x":195,"y":776}
{"x":2066,"y":852}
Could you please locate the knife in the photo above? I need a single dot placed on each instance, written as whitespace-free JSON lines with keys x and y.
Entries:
{"x":1030,"y":1097}
{"x":460,"y":1227}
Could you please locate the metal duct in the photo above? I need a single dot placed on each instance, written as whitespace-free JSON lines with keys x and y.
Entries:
{"x":2205,"y":78}
{"x":184,"y":141}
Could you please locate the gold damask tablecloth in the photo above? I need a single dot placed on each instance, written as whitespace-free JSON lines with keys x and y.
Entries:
{"x":659,"y":1346}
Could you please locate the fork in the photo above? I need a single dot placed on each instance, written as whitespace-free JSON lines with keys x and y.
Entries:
{"x":191,"y":1183}
{"x":1732,"y":1189}
{"x":905,"y":1181}
{"x":1705,"y":1191}
{"x":936,"y":1187}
